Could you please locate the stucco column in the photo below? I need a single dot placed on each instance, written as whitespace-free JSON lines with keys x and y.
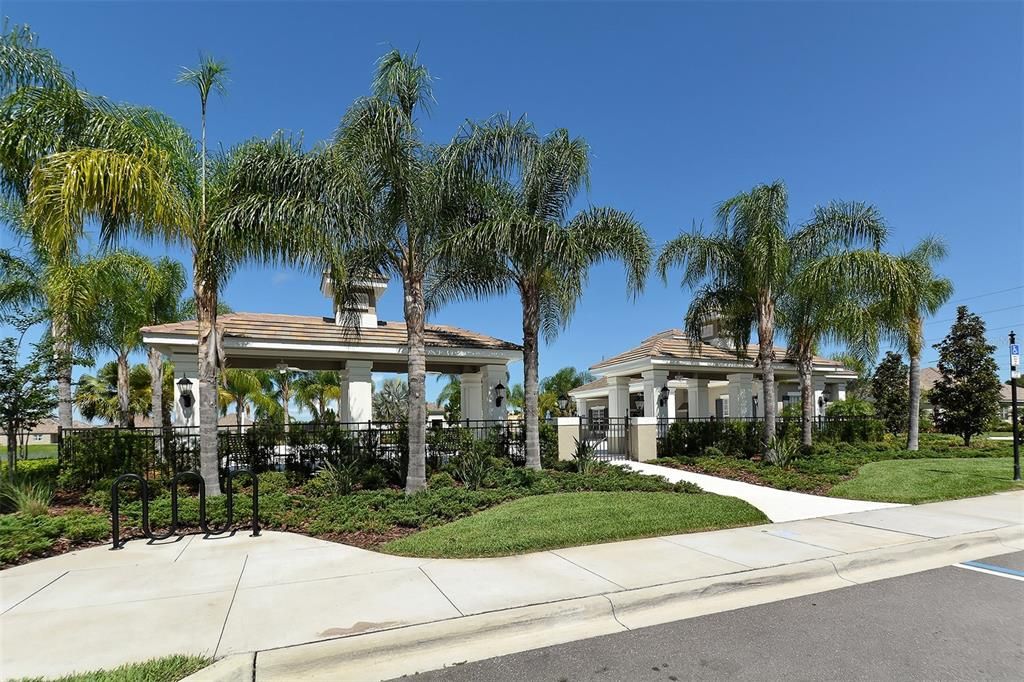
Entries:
{"x":568,"y":429}
{"x":185,"y":367}
{"x":697,"y":398}
{"x":618,"y":397}
{"x":472,"y":398}
{"x":360,"y":390}
{"x":654,"y":381}
{"x":819,"y":392}
{"x":491,"y":376}
{"x":741,"y":394}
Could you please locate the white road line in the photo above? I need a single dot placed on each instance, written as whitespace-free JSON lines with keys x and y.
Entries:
{"x":990,"y":572}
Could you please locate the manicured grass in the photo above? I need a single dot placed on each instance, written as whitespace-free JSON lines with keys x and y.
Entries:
{"x":565,"y":520}
{"x":169,"y":669}
{"x":914,"y":481}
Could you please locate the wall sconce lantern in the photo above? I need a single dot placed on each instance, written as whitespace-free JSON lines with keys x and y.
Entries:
{"x":185,"y":389}
{"x":499,"y":392}
{"x":563,"y":402}
{"x":754,"y":403}
{"x":663,"y":396}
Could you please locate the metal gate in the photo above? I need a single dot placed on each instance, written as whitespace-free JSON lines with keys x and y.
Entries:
{"x":609,"y":436}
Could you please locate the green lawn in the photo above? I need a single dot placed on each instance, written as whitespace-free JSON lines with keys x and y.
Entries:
{"x":565,"y":520}
{"x":914,"y":481}
{"x":169,"y":669}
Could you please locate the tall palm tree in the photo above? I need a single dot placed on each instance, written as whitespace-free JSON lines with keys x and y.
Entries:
{"x":278,"y":387}
{"x":315,"y":390}
{"x":902,"y":318}
{"x":43,"y":114}
{"x":390,"y":403}
{"x":836,"y":310}
{"x":525,"y":241}
{"x":746,"y":267}
{"x":450,"y":398}
{"x":238,"y":387}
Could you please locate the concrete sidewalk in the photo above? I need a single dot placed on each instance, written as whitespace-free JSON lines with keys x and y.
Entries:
{"x":97,"y":609}
{"x":777,"y":505}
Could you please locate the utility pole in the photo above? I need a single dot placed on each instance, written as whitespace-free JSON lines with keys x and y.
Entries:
{"x":1014,"y":375}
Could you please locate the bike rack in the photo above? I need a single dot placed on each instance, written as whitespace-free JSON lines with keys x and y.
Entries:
{"x":204,"y":522}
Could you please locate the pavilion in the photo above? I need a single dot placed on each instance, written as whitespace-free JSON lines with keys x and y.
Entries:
{"x":352,"y":342}
{"x":669,"y":376}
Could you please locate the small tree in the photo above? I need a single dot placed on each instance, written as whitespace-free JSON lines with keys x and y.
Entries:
{"x":27,"y":395}
{"x":966,"y":396}
{"x":890,"y":387}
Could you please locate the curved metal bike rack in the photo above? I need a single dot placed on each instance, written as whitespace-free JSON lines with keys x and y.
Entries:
{"x":204,"y":522}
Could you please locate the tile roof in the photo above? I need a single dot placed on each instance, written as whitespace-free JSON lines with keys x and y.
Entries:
{"x":675,"y":344}
{"x":277,"y":327}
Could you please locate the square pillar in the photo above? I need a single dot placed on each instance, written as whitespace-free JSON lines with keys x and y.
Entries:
{"x":819,"y":393}
{"x":643,"y":438}
{"x":359,"y":405}
{"x":491,"y":376}
{"x":697,"y":398}
{"x":741,"y":395}
{"x":654,"y":381}
{"x":185,"y":367}
{"x":568,"y":429}
{"x":472,"y":396}
{"x":618,"y":397}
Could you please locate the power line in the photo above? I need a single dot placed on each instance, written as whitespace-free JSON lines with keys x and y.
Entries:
{"x":986,"y":312}
{"x":990,"y":293}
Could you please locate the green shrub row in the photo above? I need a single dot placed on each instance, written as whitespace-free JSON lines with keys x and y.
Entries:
{"x":744,"y":439}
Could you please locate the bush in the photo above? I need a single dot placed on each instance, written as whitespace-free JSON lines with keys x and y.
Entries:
{"x":273,"y":482}
{"x":33,"y":471}
{"x":471,"y":466}
{"x":23,"y":536}
{"x":441,"y":479}
{"x":31,"y":498}
{"x":583,"y":457}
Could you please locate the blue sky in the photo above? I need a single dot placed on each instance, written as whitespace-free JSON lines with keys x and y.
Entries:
{"x":915,"y":107}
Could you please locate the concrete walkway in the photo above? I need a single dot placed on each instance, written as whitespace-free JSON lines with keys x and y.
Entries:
{"x":97,"y":608}
{"x":777,"y":505}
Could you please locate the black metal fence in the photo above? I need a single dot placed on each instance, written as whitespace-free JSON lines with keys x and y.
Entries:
{"x":744,"y":436}
{"x":608,"y":436}
{"x":93,"y":454}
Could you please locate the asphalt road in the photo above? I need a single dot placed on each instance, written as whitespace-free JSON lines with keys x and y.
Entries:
{"x":947,"y":624}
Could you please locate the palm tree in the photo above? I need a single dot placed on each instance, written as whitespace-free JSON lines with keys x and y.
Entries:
{"x":451,"y":398}
{"x":134,"y":291}
{"x":902,"y":316}
{"x":98,"y":396}
{"x":391,"y":401}
{"x":314,"y":391}
{"x":835,"y":310}
{"x":43,"y":115}
{"x":516,"y":398}
{"x":277,"y":388}
{"x":746,"y":267}
{"x":524,"y":239}
{"x":238,"y":387}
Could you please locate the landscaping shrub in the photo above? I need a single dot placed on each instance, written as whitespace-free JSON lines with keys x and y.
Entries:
{"x":33,"y":471}
{"x":31,"y":498}
{"x":583,"y":457}
{"x":441,"y":479}
{"x":471,"y":466}
{"x":23,"y":536}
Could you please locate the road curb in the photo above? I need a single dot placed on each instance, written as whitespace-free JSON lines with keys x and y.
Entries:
{"x":430,"y":646}
{"x":233,"y":668}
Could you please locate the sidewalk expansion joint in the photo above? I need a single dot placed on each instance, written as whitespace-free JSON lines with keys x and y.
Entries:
{"x":584,"y":568}
{"x":438,"y":588}
{"x":224,"y":625}
{"x":35,"y":592}
{"x":185,"y":545}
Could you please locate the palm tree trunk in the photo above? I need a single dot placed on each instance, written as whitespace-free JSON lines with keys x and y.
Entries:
{"x":239,"y":406}
{"x":206,"y":307}
{"x":766,"y":356}
{"x":124,"y":412}
{"x":286,"y":398}
{"x":806,"y":400}
{"x":156,"y":385}
{"x":531,"y":325}
{"x":416,"y":476}
{"x":914,"y":418}
{"x":62,"y":355}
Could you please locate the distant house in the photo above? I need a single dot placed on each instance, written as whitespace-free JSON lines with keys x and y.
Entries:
{"x":43,"y":433}
{"x":929,"y":377}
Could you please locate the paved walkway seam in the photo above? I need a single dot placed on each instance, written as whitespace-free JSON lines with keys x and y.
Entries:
{"x":227,"y":615}
{"x":593,"y":573}
{"x":184,"y":546}
{"x":21,"y":601}
{"x":438,"y":588}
